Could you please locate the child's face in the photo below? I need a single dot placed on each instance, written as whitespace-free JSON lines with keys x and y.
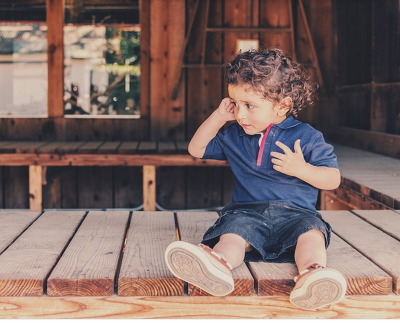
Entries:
{"x":253,"y":112}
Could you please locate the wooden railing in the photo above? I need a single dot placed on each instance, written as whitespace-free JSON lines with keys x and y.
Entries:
{"x":150,"y":155}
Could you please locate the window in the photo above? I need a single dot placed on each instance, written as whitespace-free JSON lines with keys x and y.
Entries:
{"x":23,"y":59}
{"x":102,"y":59}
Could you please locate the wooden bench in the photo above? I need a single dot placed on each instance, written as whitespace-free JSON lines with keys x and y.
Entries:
{"x":150,"y":155}
{"x":369,"y":181}
{"x":109,"y":264}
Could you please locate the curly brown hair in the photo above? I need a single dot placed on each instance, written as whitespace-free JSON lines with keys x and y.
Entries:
{"x":274,"y":75}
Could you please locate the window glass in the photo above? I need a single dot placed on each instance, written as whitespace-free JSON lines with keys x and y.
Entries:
{"x":102,"y":58}
{"x":23,"y":59}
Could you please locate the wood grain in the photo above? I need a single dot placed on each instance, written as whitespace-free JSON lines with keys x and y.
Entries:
{"x":192,"y":226}
{"x":89,"y":264}
{"x":386,"y":220}
{"x":363,"y":276}
{"x":26,"y":263}
{"x":380,"y":248}
{"x":149,"y":188}
{"x":182,"y":307}
{"x":13,"y":223}
{"x":35,"y":187}
{"x":143,"y":269}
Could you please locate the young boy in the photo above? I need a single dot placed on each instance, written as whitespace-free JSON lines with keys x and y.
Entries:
{"x":279,"y":163}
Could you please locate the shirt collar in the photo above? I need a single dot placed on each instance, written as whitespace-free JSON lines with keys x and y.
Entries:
{"x":287,"y":123}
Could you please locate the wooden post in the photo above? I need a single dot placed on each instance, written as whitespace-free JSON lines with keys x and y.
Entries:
{"x":55,"y":57}
{"x":149,"y":187}
{"x":35,"y":187}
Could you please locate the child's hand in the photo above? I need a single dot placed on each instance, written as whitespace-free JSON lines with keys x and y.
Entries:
{"x":290,"y":163}
{"x":225,"y":110}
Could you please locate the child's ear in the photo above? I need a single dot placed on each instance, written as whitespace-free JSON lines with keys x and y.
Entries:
{"x":285,"y":105}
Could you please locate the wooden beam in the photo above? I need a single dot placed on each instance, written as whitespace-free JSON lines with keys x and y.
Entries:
{"x":149,"y":187}
{"x":9,"y":159}
{"x":378,"y":142}
{"x":35,"y":187}
{"x":177,"y":72}
{"x":311,"y":44}
{"x":55,"y":57}
{"x":193,"y":307}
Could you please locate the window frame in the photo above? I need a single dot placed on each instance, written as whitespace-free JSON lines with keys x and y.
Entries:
{"x":55,"y":62}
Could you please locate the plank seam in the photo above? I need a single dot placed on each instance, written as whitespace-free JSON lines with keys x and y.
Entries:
{"x":121,"y":253}
{"x":177,"y":230}
{"x":369,"y":258}
{"x":374,"y":225}
{"x":255,"y":280}
{"x":19,"y":235}
{"x":62,"y":253}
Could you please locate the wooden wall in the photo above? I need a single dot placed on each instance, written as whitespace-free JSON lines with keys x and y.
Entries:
{"x":368,"y":74}
{"x":342,"y":38}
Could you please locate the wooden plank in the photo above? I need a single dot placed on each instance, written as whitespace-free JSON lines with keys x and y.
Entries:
{"x":7,"y":147}
{"x":69,"y":147}
{"x":108,"y":147}
{"x":55,"y":57}
{"x":10,"y":159}
{"x":363,"y":276}
{"x":89,"y":264}
{"x":50,"y":147}
{"x":370,"y":241}
{"x":187,"y":307}
{"x":182,"y":146}
{"x":143,"y":270}
{"x":35,"y":187}
{"x":89,"y":147}
{"x":128,"y":147}
{"x":13,"y":223}
{"x":192,"y":226}
{"x":386,"y":220}
{"x":96,"y":187}
{"x":147,"y":147}
{"x":149,"y":187}
{"x":166,"y":147}
{"x":353,"y":199}
{"x":378,"y":142}
{"x":26,"y":263}
{"x":27,"y":147}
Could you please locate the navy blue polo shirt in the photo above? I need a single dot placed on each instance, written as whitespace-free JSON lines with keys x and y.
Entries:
{"x":261,"y":182}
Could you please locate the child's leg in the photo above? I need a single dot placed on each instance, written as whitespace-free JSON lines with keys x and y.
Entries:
{"x":233,"y":248}
{"x":316,"y":286}
{"x":310,"y":249}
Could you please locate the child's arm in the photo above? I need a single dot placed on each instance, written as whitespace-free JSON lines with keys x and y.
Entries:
{"x":293,"y":164}
{"x":210,"y":127}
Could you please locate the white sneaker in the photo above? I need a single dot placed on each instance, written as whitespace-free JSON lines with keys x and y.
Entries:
{"x":200,"y":266}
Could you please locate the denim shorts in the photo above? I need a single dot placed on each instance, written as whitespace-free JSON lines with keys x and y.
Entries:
{"x":270,"y":227}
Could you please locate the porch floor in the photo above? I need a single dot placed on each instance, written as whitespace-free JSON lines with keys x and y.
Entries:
{"x":79,"y":264}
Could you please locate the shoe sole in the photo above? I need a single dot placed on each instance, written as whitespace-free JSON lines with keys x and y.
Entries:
{"x":319,"y":290}
{"x":189,"y":263}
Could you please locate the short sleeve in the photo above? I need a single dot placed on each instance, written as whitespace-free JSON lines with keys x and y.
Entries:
{"x":214,"y":149}
{"x":321,"y":153}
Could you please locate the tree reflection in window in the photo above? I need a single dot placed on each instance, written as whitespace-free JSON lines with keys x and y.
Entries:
{"x":102,"y":60}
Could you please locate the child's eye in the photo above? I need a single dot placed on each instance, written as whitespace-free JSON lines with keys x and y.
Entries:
{"x":248,"y":106}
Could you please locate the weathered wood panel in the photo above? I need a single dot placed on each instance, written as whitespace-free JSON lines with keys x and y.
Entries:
{"x":12,"y":224}
{"x":378,"y":247}
{"x":192,"y":226}
{"x":363,"y":277}
{"x":89,"y":264}
{"x":26,"y":263}
{"x":143,"y":270}
{"x":179,"y":307}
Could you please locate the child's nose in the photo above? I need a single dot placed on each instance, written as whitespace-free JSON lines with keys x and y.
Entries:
{"x":241,"y":112}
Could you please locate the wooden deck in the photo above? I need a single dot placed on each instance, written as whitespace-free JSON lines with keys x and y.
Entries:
{"x":109,"y":264}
